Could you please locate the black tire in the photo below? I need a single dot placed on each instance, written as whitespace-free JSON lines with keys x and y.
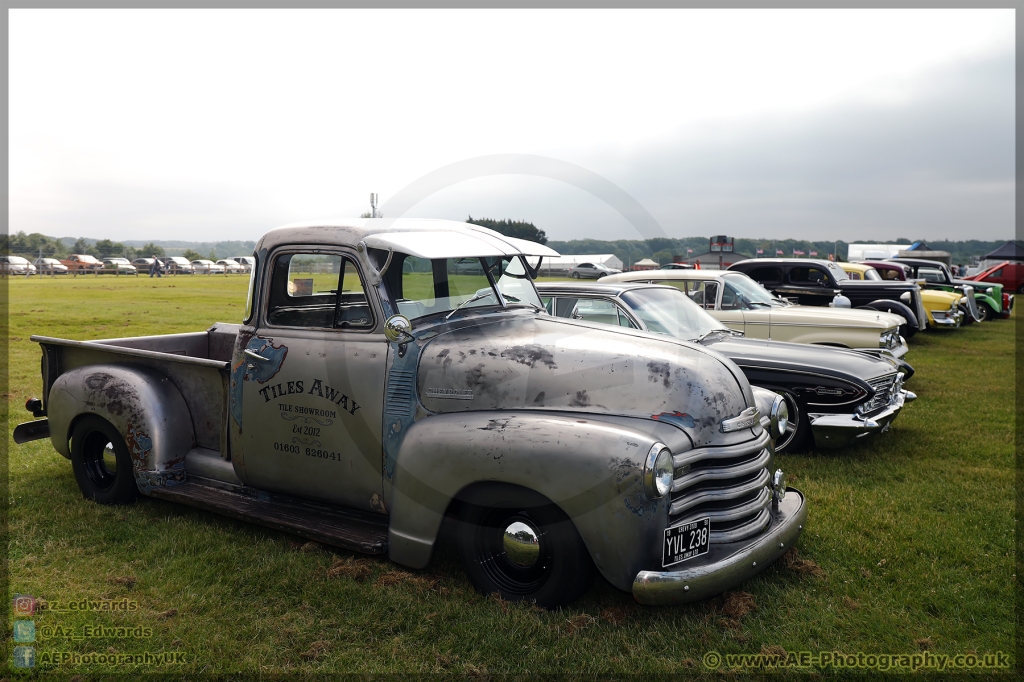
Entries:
{"x":985,"y":312}
{"x":968,"y":318}
{"x":575,"y":275}
{"x":562,"y":570}
{"x":1020,"y":289}
{"x":796,"y":436}
{"x":101,"y":462}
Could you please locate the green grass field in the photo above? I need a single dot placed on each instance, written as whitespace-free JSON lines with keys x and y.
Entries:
{"x":909,"y":544}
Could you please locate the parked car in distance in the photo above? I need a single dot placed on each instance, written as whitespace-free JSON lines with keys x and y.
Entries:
{"x":177,"y":265}
{"x":78,"y":263}
{"x":988,"y":296}
{"x":820,"y":283}
{"x":1009,"y":275}
{"x":380,"y":402}
{"x":119,"y":266}
{"x":143,"y":264}
{"x":591,"y":271}
{"x":942,"y":308}
{"x":676,"y":266}
{"x":833,"y":396}
{"x":207,"y":267}
{"x":247,"y":262}
{"x":230,"y":266}
{"x":50,"y":266}
{"x":16,"y":265}
{"x":744,"y":305}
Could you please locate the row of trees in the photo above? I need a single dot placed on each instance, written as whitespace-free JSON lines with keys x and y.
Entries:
{"x":34,"y":245}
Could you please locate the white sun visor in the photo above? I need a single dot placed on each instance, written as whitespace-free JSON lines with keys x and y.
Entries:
{"x":435,"y":244}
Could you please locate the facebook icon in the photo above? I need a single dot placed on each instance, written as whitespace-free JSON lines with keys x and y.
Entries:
{"x":24,"y":656}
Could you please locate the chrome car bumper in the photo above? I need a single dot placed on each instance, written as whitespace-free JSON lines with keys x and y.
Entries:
{"x":837,"y":430}
{"x":726,"y":565}
{"x":951,"y":321}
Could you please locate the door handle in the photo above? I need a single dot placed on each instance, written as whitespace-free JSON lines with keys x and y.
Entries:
{"x":254,"y":354}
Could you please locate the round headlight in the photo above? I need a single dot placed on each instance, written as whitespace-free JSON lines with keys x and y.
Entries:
{"x":780,"y":416}
{"x":658,"y":471}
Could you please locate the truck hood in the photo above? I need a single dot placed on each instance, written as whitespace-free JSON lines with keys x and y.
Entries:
{"x":534,"y":362}
{"x":842,"y":317}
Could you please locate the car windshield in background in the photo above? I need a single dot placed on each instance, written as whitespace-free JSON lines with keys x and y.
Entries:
{"x":428,"y":287}
{"x":837,"y":271}
{"x":743,"y":292}
{"x":872,"y":274}
{"x":669,"y":311}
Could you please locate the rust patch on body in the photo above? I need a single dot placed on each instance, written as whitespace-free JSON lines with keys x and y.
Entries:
{"x":530,"y":355}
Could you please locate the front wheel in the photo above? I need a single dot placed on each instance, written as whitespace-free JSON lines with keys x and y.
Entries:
{"x":985,"y":311}
{"x":517,"y":543}
{"x":575,"y":275}
{"x":795,"y":438}
{"x":101,"y":462}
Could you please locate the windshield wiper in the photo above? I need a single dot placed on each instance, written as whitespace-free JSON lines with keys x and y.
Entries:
{"x":482,"y":294}
{"x":510,"y":297}
{"x":766,"y":305}
{"x":705,"y":335}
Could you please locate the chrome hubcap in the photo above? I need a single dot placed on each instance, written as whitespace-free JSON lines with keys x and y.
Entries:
{"x":521,"y":542}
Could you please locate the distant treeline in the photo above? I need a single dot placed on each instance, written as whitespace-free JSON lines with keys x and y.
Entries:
{"x":663,"y":250}
{"x":34,"y":245}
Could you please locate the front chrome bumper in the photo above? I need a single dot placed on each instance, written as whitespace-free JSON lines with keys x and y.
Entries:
{"x":726,"y":565}
{"x":837,"y":430}
{"x":949,"y":321}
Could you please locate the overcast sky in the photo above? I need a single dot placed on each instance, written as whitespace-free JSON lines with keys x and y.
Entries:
{"x":221,"y":124}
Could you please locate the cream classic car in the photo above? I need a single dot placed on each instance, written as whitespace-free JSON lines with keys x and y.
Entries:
{"x":744,"y":305}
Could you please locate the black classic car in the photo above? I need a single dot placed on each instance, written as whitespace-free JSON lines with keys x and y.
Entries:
{"x":819,"y":282}
{"x":833,"y":395}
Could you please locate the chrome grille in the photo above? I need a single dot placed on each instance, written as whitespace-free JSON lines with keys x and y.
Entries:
{"x":730,"y":485}
{"x":883,"y":393}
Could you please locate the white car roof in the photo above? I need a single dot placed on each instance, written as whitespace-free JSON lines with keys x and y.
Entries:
{"x":430,"y":239}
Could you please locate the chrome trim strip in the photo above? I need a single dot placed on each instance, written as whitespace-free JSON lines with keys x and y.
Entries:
{"x":714,"y":473}
{"x":763,"y":499}
{"x":758,"y":524}
{"x":750,"y":447}
{"x":714,"y":494}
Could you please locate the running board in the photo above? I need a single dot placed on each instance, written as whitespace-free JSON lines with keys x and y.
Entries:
{"x":324,"y":523}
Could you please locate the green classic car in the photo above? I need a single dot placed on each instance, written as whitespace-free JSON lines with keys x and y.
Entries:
{"x":989,"y":296}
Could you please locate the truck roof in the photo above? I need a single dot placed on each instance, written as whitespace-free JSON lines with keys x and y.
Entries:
{"x":423,"y":238}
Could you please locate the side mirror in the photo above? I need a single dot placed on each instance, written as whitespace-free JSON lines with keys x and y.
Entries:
{"x":397,"y":329}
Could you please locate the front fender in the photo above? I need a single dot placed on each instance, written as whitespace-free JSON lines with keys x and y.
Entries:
{"x":142,"y":404}
{"x":591,"y":468}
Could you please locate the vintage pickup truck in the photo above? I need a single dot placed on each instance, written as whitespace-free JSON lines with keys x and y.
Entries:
{"x":390,"y":377}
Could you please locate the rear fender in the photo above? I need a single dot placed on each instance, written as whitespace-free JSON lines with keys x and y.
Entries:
{"x":591,"y":468}
{"x":143,"y":405}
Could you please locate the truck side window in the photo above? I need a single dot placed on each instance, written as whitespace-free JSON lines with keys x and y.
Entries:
{"x":808,"y":275}
{"x":304,"y":292}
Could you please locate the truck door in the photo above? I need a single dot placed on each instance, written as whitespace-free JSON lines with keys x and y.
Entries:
{"x":313,"y":394}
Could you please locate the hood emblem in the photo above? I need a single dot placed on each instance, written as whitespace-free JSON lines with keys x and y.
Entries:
{"x":744,"y":420}
{"x":451,"y":393}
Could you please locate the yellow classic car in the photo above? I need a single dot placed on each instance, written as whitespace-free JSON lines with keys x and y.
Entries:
{"x":941,"y":307}
{"x":744,"y":305}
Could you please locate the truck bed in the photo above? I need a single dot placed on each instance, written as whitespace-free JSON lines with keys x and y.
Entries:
{"x":197,"y":363}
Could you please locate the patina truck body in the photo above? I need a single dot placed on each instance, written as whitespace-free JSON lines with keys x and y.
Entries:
{"x":391,"y":378}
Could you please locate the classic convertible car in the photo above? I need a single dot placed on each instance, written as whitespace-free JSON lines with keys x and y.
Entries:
{"x":944,"y":309}
{"x":744,"y":305}
{"x":833,"y":396}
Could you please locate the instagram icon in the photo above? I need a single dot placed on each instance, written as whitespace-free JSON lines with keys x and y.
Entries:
{"x":24,"y":604}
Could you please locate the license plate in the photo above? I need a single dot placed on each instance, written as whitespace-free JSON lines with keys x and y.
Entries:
{"x":686,"y":541}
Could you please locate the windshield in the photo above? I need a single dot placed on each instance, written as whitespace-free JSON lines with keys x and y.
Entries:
{"x":744,"y":293}
{"x":669,"y":311}
{"x":428,"y":287}
{"x":836,"y":270}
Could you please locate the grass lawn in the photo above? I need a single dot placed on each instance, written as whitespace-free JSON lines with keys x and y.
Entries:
{"x":909,"y":544}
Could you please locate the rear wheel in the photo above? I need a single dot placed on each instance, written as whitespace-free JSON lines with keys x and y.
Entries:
{"x":575,"y":275}
{"x":101,"y":462}
{"x":517,"y":543}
